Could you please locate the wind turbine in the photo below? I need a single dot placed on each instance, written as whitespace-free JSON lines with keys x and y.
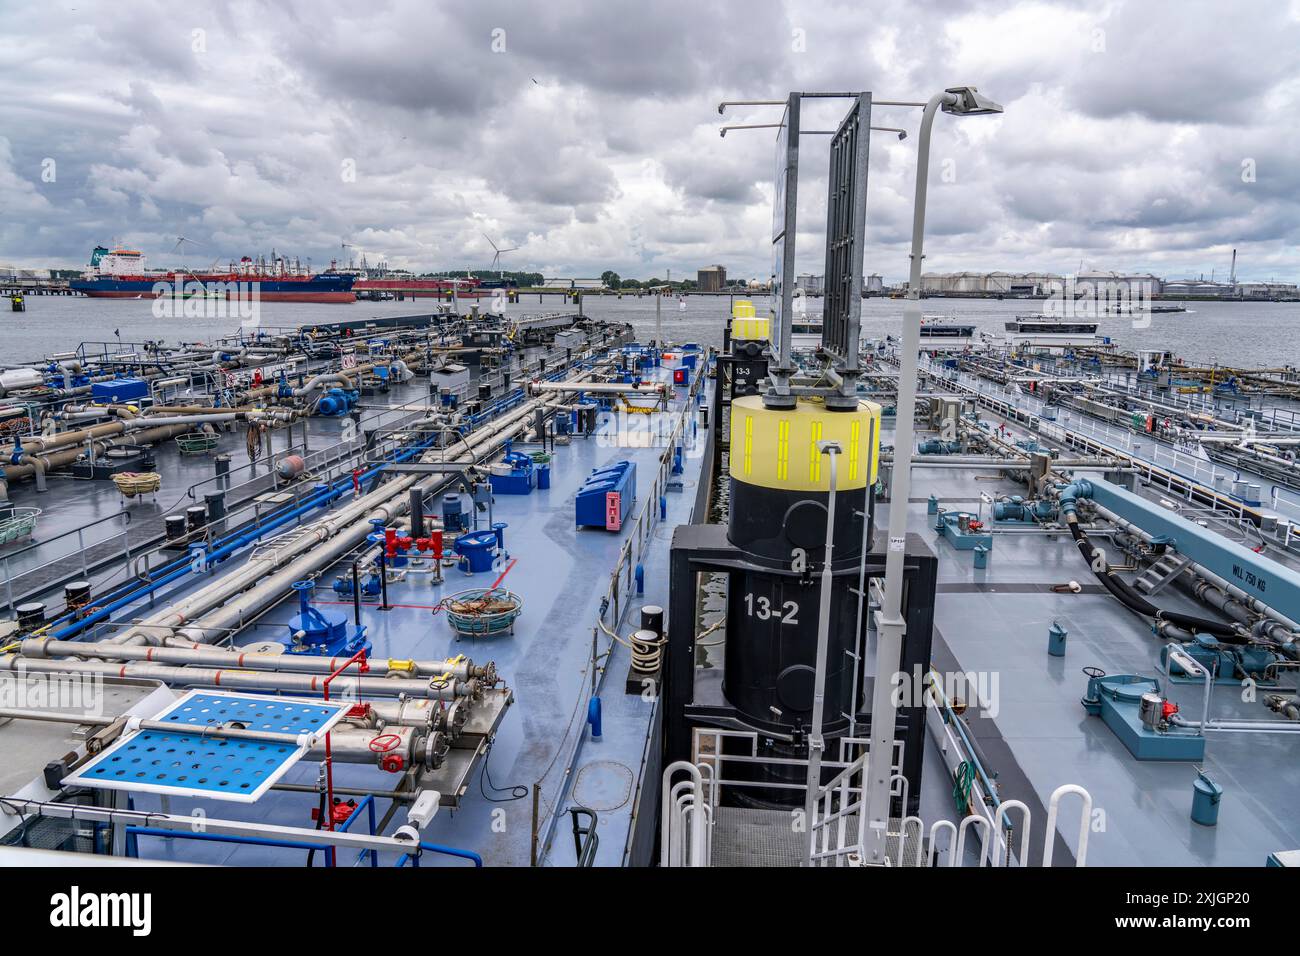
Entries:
{"x":496,"y":259}
{"x":180,"y":242}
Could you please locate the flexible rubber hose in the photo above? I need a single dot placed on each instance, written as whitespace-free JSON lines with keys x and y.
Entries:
{"x":1134,"y":600}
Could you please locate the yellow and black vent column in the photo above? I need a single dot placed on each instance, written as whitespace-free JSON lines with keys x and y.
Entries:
{"x":780,"y":480}
{"x":780,"y":485}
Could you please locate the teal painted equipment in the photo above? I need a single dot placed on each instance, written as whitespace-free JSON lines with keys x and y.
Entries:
{"x":1227,"y":663}
{"x":981,"y":556}
{"x":1056,"y":639}
{"x":964,"y":531}
{"x":1206,"y":795}
{"x":1017,"y":509}
{"x":1260,"y":577}
{"x":1136,"y":711}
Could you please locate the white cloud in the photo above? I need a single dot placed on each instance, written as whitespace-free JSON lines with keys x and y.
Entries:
{"x":591,"y":141}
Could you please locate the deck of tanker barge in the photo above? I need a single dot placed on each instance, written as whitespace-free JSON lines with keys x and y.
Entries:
{"x":993,"y":622}
{"x":1035,"y":735}
{"x":561,"y":573}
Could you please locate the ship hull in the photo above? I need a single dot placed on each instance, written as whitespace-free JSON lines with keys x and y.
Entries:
{"x":264,"y":296}
{"x":325,"y":289}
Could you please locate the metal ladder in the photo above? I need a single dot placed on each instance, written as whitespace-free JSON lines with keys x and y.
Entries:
{"x":1165,"y":569}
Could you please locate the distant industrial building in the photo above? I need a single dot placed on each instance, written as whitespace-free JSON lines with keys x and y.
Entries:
{"x":586,"y":285}
{"x":1033,"y":284}
{"x":1201,"y":288}
{"x":1140,"y":283}
{"x":990,"y":283}
{"x":1268,"y":290}
{"x":712,"y":279}
{"x":809,"y":284}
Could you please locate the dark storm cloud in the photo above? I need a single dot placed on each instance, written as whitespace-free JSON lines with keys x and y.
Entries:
{"x":1145,"y":133}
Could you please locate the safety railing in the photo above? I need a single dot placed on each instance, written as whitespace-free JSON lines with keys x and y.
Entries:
{"x":622,"y":577}
{"x":21,"y":576}
{"x":1176,"y":483}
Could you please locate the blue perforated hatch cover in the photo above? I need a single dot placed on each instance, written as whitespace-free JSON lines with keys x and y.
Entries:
{"x":189,"y":763}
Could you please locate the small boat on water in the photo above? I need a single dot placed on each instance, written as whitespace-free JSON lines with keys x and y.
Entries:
{"x":1046,"y":332}
{"x":945,"y":327}
{"x":1154,"y":308}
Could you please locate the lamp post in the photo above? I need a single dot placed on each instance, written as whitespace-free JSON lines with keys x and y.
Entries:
{"x":890,"y":622}
{"x":816,"y":743}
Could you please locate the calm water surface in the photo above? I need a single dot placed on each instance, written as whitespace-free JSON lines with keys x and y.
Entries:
{"x":1252,"y":333}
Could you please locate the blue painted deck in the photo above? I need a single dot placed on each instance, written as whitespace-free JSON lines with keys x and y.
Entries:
{"x":561,"y":573}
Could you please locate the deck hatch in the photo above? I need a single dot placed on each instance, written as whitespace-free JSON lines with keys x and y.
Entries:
{"x":188,"y":762}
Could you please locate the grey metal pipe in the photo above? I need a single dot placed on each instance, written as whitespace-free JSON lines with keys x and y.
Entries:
{"x":42,"y":647}
{"x":302,"y":684}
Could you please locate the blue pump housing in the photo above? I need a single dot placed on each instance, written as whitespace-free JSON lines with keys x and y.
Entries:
{"x":336,"y":402}
{"x":324,"y":630}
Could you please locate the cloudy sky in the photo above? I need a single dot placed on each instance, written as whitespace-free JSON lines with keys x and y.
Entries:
{"x":1145,"y":136}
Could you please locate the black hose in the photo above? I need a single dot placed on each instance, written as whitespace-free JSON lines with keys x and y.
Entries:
{"x":320,"y":822}
{"x":1134,"y":600}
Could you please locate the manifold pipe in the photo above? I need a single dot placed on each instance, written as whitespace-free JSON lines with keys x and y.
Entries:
{"x":56,"y":452}
{"x":38,"y":444}
{"x":601,"y":388}
{"x":42,"y":647}
{"x":302,"y":684}
{"x":384,"y":503}
{"x":316,"y":536}
{"x":318,"y":383}
{"x":351,"y":744}
{"x":159,"y":420}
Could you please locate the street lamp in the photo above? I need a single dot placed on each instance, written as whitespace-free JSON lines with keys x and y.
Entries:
{"x":890,"y":623}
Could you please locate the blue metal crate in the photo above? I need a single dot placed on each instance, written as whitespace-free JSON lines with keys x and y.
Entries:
{"x":605,"y":499}
{"x":119,"y":390}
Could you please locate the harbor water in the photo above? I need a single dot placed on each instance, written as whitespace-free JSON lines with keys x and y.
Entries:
{"x":1224,"y":333}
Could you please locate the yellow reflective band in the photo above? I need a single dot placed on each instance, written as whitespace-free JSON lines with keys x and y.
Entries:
{"x":855,"y":433}
{"x":783,"y":450}
{"x":814,"y":453}
{"x":749,"y":443}
{"x":765,"y":439}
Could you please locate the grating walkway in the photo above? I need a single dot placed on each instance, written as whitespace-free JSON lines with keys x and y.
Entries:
{"x":766,"y":838}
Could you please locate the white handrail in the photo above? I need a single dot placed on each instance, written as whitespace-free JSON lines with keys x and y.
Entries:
{"x":1000,"y":826}
{"x":986,"y":841}
{"x":1085,"y":819}
{"x":920,"y":838}
{"x":937,"y":826}
{"x":668,"y":796}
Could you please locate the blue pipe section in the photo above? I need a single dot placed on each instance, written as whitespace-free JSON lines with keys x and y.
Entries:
{"x":1262,"y":578}
{"x":133,"y":833}
{"x":439,"y":848}
{"x":368,"y":803}
{"x":240,"y":539}
{"x":174,"y":570}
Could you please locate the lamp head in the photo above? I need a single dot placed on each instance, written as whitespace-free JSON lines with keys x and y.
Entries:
{"x":970,"y":102}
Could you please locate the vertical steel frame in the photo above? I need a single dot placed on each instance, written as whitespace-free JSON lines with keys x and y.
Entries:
{"x":846,"y":222}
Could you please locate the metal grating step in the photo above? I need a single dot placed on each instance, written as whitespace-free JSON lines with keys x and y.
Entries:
{"x":766,"y":838}
{"x":1162,"y":572}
